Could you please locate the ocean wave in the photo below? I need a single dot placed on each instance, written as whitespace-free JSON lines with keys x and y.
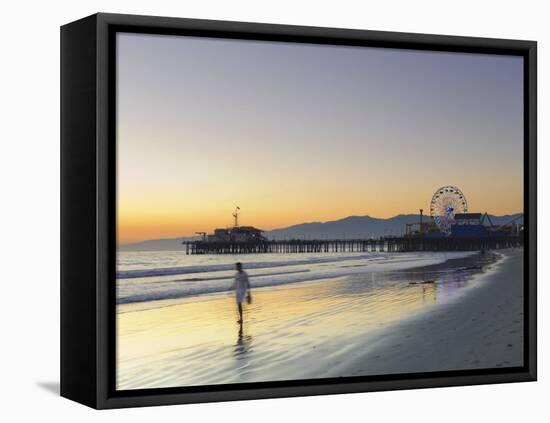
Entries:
{"x":174,"y":289}
{"x":132,"y":290}
{"x":171,"y":271}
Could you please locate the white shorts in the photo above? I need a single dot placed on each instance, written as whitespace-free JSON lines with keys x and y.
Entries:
{"x":240,"y":295}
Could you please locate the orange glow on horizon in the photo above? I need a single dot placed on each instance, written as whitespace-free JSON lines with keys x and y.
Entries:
{"x":172,"y":221}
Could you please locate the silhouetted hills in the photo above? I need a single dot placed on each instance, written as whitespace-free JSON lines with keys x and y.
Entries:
{"x":360,"y":227}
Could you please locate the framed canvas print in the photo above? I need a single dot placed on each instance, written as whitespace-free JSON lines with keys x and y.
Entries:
{"x":255,"y":211}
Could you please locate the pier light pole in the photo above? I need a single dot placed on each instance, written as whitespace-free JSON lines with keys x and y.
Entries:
{"x":236,"y":216}
{"x":421,"y":216}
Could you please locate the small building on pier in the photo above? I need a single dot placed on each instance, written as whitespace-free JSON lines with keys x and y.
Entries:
{"x":237,"y":234}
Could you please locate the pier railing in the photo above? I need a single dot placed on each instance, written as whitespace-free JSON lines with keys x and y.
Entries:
{"x":401,"y":244}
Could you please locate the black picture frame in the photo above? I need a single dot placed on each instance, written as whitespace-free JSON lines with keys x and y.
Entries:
{"x":88,"y":194}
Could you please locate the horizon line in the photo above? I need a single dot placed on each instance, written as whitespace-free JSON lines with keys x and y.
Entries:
{"x":304,"y":223}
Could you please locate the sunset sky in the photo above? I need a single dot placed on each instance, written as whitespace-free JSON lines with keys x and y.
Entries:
{"x":293,"y":133}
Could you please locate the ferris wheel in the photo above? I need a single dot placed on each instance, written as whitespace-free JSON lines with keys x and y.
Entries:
{"x":446,"y":202}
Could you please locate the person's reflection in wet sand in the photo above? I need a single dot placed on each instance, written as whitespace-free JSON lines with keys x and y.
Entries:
{"x":243,"y":344}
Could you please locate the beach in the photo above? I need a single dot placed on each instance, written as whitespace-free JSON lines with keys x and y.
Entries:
{"x":483,"y":329}
{"x":319,"y":317}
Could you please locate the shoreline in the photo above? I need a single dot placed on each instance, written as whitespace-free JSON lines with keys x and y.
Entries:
{"x":183,"y":290}
{"x":483,"y":328}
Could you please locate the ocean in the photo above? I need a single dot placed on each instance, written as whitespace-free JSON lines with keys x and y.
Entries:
{"x":171,"y":275}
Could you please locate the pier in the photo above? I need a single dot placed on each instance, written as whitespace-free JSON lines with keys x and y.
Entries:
{"x":394,"y":244}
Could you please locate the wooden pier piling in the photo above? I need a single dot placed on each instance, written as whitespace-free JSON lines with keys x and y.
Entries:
{"x":401,"y":244}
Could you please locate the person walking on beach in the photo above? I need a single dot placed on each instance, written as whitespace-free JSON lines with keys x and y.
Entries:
{"x":242,"y":289}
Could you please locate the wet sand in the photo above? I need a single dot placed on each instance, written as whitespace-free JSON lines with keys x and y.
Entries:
{"x":482,"y":329}
{"x":465,"y":313}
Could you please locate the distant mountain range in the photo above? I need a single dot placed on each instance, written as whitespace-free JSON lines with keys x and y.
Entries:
{"x":348,"y":227}
{"x":358,"y":227}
